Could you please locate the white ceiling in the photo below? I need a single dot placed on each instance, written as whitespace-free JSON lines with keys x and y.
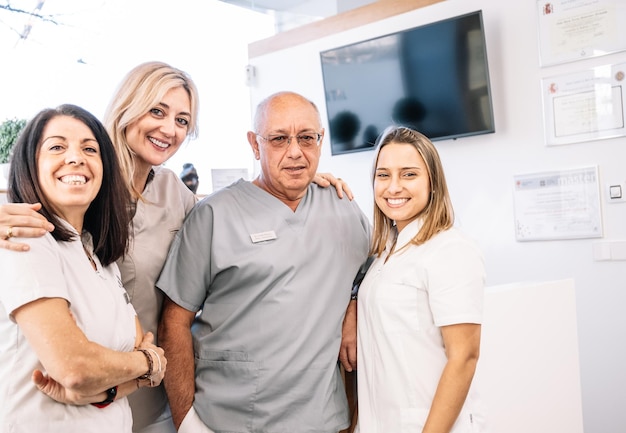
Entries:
{"x":292,"y":13}
{"x":277,"y":5}
{"x":313,"y":7}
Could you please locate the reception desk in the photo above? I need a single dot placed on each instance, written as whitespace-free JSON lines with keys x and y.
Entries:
{"x":529,"y":366}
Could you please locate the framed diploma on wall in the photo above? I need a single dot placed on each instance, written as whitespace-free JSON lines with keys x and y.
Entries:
{"x":584,"y":106}
{"x":560,"y":204}
{"x":571,"y":30}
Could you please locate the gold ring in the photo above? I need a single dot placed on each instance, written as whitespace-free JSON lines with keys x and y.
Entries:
{"x":9,"y":232}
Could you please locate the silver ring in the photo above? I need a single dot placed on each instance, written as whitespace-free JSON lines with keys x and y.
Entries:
{"x":9,"y":232}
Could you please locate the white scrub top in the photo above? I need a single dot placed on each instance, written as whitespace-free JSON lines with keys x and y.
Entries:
{"x":102,"y":311}
{"x":401,"y":305}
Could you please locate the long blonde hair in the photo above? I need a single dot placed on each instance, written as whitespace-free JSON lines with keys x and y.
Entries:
{"x":140,"y":90}
{"x":438,"y":214}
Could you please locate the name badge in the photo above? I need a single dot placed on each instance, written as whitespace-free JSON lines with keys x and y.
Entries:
{"x":263,"y":236}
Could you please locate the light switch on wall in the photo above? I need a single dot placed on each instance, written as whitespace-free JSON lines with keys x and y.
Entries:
{"x":616,"y":192}
{"x":609,"y":250}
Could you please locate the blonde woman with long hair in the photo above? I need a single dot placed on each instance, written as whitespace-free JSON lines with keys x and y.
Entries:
{"x":420,"y":304}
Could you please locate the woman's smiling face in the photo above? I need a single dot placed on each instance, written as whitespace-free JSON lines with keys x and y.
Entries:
{"x":401,"y":183}
{"x":158,"y":134}
{"x":69,"y":166}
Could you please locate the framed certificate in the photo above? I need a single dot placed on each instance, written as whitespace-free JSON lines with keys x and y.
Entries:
{"x":584,"y":106}
{"x":576,"y":29}
{"x":563,"y":204}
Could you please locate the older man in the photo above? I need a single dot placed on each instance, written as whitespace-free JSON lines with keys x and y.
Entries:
{"x":263,"y":270}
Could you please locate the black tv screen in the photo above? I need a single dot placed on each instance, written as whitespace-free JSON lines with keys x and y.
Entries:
{"x":434,"y":78}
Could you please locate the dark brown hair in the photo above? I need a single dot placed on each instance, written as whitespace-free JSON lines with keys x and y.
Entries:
{"x":107,"y":218}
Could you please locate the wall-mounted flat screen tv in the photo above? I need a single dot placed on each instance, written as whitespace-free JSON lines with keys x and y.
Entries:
{"x":434,"y":78}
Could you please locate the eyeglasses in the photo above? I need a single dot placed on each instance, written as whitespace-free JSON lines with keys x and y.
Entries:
{"x":306,"y":140}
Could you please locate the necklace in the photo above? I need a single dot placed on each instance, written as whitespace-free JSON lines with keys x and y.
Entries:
{"x":91,"y":260}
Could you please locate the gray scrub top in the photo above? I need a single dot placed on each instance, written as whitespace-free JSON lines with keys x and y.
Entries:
{"x":272,"y":286}
{"x":157,"y":219}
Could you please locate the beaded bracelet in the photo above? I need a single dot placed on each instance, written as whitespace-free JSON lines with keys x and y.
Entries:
{"x":156,"y":355}
{"x":150,"y":364}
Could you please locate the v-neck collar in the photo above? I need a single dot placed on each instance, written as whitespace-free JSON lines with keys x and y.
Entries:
{"x":404,"y":237}
{"x":295,"y":220}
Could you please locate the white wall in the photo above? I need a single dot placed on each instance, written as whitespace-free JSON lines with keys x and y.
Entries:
{"x":480,"y":174}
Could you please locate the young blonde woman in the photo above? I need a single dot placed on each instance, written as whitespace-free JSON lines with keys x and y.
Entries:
{"x":65,"y":319}
{"x":420,"y":304}
{"x":153,"y":111}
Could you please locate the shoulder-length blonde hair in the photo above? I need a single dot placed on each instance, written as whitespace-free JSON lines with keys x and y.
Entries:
{"x":140,"y":90}
{"x":438,"y":214}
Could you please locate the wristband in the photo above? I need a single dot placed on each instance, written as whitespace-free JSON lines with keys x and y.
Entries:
{"x":150,"y":364}
{"x":111,"y":394}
